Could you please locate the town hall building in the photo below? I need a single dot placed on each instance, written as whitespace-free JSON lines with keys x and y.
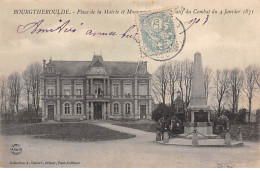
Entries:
{"x":97,"y":89}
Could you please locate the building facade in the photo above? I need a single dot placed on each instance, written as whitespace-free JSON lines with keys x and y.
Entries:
{"x":97,"y":89}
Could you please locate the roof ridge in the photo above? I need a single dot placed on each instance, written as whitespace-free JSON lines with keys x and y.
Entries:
{"x":103,"y":61}
{"x":67,"y":61}
{"x":123,"y":61}
{"x":74,"y":68}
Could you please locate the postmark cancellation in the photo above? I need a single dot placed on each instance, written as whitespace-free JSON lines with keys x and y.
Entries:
{"x":161,"y":34}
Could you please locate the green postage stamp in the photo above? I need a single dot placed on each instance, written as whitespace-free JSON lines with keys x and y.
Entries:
{"x":161,"y":34}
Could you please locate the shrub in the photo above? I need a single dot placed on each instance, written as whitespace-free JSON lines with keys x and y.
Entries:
{"x":160,"y":111}
{"x":241,"y":116}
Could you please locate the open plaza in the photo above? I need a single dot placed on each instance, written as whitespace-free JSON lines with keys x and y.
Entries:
{"x":140,"y":150}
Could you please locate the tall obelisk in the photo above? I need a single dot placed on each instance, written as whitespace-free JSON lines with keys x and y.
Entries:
{"x":198,"y":108}
{"x":198,"y":97}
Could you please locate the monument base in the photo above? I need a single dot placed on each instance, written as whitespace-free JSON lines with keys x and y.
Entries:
{"x":204,"y":129}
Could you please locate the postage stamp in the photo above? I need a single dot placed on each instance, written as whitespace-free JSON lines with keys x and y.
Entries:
{"x":162,"y":36}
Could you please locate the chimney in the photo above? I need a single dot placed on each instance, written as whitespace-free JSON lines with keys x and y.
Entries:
{"x":97,"y":58}
{"x":145,"y":65}
{"x":43,"y":64}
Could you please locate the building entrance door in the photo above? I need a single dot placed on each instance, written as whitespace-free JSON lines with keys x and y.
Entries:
{"x":50,"y":112}
{"x":97,"y":110}
{"x":142,"y":111}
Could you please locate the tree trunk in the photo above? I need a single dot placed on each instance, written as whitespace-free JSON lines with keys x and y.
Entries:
{"x":28,"y":100}
{"x":163,"y":98}
{"x":172,"y":94}
{"x":219,"y":110}
{"x":233,"y":102}
{"x":250,"y":108}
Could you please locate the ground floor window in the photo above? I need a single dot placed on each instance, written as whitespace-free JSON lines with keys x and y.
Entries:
{"x":116,"y":108}
{"x":127,"y":108}
{"x":78,"y":108}
{"x":67,"y":108}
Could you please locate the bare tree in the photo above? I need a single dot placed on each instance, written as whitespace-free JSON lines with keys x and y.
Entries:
{"x":15,"y":87}
{"x":156,"y":96}
{"x":221,"y":85}
{"x":257,"y":77}
{"x":251,"y":73}
{"x":169,"y":77}
{"x":180,"y":77}
{"x":160,"y":82}
{"x":172,"y":71}
{"x":207,"y":80}
{"x":31,"y":77}
{"x":187,"y":76}
{"x":3,"y":86}
{"x":236,"y":84}
{"x":184,"y":75}
{"x":27,"y":77}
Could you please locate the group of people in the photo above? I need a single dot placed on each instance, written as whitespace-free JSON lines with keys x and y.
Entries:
{"x":171,"y":126}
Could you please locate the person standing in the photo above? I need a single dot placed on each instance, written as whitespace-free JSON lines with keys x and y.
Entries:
{"x":163,"y":124}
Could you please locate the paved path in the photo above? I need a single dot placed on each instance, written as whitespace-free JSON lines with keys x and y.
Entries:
{"x":141,"y":151}
{"x":141,"y":135}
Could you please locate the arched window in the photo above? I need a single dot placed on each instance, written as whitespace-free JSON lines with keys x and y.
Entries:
{"x":78,"y":108}
{"x":127,"y":108}
{"x":116,"y":108}
{"x":67,"y":108}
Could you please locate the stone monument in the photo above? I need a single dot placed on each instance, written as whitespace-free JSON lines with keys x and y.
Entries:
{"x":198,"y":108}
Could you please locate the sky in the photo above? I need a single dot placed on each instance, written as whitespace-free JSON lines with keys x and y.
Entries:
{"x":225,"y":41}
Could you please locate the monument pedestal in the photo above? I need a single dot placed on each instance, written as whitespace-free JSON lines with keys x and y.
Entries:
{"x":200,"y":120}
{"x":204,"y":128}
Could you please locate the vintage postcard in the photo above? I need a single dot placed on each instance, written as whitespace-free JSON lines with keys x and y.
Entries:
{"x":129,"y":84}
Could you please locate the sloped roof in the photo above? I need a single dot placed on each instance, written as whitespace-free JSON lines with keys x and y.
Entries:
{"x":80,"y":68}
{"x":121,"y":68}
{"x":178,"y":102}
